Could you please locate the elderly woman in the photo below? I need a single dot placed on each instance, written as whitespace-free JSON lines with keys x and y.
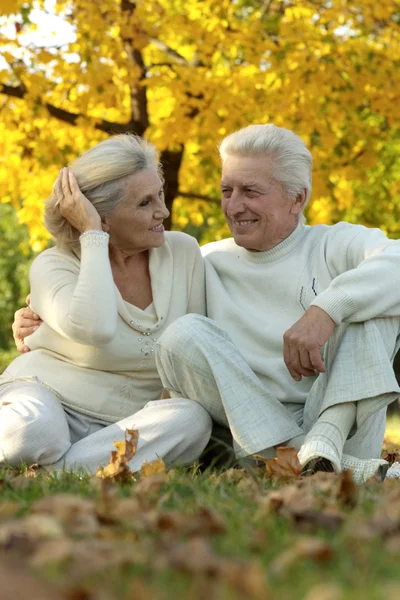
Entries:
{"x":105,"y":293}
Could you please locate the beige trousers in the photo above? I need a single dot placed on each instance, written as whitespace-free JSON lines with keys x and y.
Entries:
{"x":196,"y":359}
{"x":35,"y":428}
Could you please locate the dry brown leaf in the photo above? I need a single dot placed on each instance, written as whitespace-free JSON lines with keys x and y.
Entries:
{"x":22,"y":536}
{"x":249,"y":580}
{"x":391,"y":454}
{"x":393,"y":545}
{"x":153,"y":468}
{"x":232,"y":475}
{"x":31,"y":472}
{"x":391,"y":590}
{"x":87,"y":557}
{"x":149,"y":486}
{"x":348,"y":491}
{"x":197,"y":558}
{"x":312,"y":502}
{"x":118,"y":467}
{"x":324,"y":591}
{"x":75,"y":513}
{"x":284,"y":466}
{"x":127,"y":510}
{"x":309,"y":548}
{"x":8,"y":509}
{"x":17,"y":582}
{"x":205,"y":522}
{"x":52,"y":552}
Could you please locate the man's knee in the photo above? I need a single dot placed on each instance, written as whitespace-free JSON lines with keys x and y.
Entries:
{"x":33,"y":431}
{"x":181,"y":332}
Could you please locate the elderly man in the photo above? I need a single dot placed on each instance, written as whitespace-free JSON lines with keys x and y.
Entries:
{"x":303,"y":321}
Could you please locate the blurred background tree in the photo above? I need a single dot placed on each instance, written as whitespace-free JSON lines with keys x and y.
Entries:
{"x":187,"y":72}
{"x":15,"y":256}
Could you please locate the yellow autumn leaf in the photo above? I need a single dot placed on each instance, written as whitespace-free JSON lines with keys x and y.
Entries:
{"x":153,"y":468}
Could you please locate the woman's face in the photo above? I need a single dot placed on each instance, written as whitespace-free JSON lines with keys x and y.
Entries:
{"x":137,"y":223}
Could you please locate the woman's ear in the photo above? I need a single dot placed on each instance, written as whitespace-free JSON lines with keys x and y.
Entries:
{"x":105,"y":225}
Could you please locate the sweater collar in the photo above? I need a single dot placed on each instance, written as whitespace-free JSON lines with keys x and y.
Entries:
{"x":278,"y":251}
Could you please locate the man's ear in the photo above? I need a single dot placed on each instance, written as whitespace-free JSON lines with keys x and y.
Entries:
{"x":299,"y":202}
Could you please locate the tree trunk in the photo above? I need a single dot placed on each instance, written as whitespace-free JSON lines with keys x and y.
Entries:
{"x":171,"y":161}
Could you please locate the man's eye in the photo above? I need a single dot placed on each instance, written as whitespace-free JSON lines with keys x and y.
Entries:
{"x":226,"y":191}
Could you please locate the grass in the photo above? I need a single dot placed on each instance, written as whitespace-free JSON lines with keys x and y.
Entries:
{"x":192,"y":535}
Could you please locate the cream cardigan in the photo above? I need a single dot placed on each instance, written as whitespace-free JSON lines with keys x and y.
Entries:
{"x":95,"y":350}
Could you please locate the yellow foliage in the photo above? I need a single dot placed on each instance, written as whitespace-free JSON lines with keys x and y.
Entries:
{"x":188,"y":72}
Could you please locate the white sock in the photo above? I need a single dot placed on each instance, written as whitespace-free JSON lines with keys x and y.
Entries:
{"x":327,"y":437}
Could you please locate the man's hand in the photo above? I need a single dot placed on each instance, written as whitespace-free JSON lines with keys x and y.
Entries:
{"x":25,"y":323}
{"x":302,"y":343}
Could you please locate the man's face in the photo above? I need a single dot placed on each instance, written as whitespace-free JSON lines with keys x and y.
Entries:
{"x":257,"y":211}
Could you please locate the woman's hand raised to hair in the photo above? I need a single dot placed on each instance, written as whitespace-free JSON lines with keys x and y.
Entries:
{"x":74,"y":206}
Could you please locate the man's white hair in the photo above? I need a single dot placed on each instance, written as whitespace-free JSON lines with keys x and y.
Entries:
{"x":292,"y":161}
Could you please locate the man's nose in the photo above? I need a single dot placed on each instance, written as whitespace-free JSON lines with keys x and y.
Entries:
{"x":235,"y":204}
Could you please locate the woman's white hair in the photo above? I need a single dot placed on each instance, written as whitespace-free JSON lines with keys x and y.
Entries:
{"x":102,"y":174}
{"x":292,"y":161}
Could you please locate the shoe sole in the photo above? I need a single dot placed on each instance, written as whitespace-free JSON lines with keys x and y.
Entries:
{"x":316,"y":465}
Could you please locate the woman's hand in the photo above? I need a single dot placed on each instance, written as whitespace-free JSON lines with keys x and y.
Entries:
{"x":25,"y":323}
{"x":74,"y":206}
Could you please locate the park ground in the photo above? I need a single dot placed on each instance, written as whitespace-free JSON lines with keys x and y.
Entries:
{"x":260,"y":533}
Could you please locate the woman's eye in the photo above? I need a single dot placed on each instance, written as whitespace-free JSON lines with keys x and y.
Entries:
{"x":144,"y":203}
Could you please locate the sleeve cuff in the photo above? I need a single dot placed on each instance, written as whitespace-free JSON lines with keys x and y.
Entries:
{"x":94,"y":237}
{"x":336,"y":304}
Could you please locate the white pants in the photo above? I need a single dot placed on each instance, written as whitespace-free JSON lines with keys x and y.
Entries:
{"x":35,"y":428}
{"x":196,"y":359}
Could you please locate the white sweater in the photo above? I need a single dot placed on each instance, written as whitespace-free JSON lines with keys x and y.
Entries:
{"x":351,"y":272}
{"x":95,"y":350}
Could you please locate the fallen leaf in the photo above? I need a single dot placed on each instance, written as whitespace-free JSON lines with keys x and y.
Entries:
{"x":17,"y":582}
{"x":232,"y":475}
{"x":52,"y":552}
{"x":86,"y":557}
{"x":309,"y":548}
{"x":118,"y":467}
{"x":31,"y":472}
{"x":393,"y":545}
{"x":284,"y":466}
{"x":77,"y":514}
{"x":153,"y":468}
{"x":23,"y":535}
{"x":348,"y":491}
{"x":149,"y":486}
{"x":8,"y":509}
{"x":205,"y":522}
{"x":324,"y":591}
{"x":392,"y":457}
{"x":391,"y":590}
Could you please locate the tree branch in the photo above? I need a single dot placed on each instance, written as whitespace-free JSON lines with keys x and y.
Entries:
{"x":138,"y":93}
{"x":191,"y":196}
{"x":178,"y":58}
{"x":71,"y":118}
